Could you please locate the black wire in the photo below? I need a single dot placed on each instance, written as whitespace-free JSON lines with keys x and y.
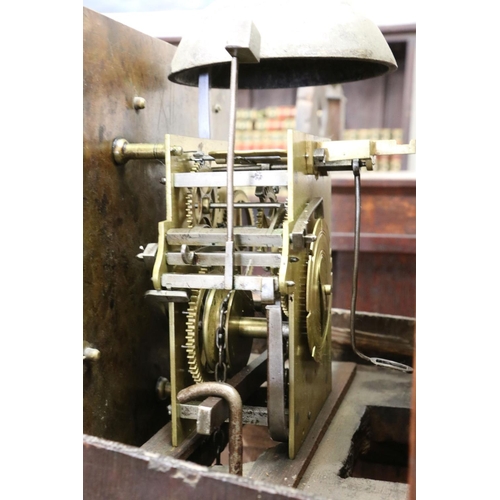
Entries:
{"x":355,"y":272}
{"x":357,"y":231}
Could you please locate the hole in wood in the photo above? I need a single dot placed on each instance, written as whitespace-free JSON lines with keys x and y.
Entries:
{"x":379,"y":448}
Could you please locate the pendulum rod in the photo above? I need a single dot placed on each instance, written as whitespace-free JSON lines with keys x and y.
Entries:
{"x":229,"y":267}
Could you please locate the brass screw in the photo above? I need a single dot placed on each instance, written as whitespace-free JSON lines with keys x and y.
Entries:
{"x":176,"y":150}
{"x":163,"y":388}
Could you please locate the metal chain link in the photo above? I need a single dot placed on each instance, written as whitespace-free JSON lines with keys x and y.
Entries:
{"x":220,"y":342}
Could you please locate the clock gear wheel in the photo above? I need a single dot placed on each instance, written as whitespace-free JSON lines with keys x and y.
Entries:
{"x":318,"y":290}
{"x":202,"y":323}
{"x":265,"y":216}
{"x":198,"y":200}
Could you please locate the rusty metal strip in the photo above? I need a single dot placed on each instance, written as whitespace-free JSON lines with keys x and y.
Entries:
{"x":274,"y":466}
{"x":233,"y":400}
{"x":246,"y":382}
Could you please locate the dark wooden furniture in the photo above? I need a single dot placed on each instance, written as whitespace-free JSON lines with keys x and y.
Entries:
{"x":385,"y":102}
{"x":121,"y":209}
{"x":387,"y":262}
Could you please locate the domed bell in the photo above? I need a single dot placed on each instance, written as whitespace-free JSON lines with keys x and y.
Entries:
{"x":302,"y":43}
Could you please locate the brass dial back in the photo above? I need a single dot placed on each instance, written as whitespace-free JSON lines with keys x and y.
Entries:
{"x":318,"y":295}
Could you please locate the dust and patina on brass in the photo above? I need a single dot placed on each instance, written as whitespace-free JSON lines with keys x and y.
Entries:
{"x":234,"y":245}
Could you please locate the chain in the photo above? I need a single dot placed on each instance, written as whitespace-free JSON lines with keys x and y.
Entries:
{"x":220,"y":342}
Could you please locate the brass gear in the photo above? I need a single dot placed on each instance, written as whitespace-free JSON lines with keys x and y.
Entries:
{"x":193,"y":318}
{"x":192,"y":348}
{"x":197,"y":207}
{"x":189,"y":208}
{"x":189,"y":200}
{"x":282,"y":217}
{"x":300,"y":296}
{"x":284,"y":304}
{"x":263,"y":220}
{"x":198,"y":203}
{"x":202,"y":323}
{"x":318,"y":290}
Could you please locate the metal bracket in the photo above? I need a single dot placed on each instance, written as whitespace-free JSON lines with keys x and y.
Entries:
{"x":252,"y":415}
{"x":148,"y":255}
{"x":166,"y":296}
{"x":322,"y":165}
{"x":276,"y":386}
{"x":233,"y":399}
{"x":299,"y":237}
{"x":337,"y":155}
{"x":187,"y":255}
{"x":244,"y":42}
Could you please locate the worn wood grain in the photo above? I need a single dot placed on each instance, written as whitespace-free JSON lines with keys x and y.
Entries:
{"x":388,"y":204}
{"x":114,"y":471}
{"x":387,"y":261}
{"x":376,"y":335}
{"x":122,"y":206}
{"x":386,"y":282}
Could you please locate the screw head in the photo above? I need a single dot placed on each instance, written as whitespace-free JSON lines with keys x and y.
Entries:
{"x":118,"y":150}
{"x":139,"y":103}
{"x":163,"y":388}
{"x":91,"y":354}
